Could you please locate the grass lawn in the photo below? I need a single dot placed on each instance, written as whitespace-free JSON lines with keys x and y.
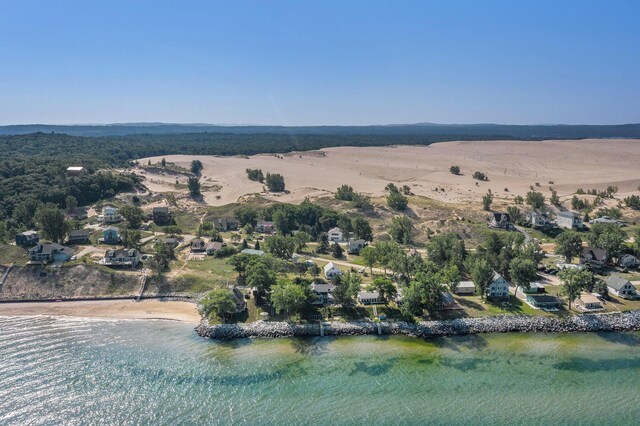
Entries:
{"x":475,"y":307}
{"x":215,"y":268}
{"x":12,"y":255}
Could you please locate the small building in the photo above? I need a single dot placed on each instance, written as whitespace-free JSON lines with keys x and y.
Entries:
{"x":49,"y":252}
{"x":369,"y":297}
{"x":79,"y":236}
{"x":322,"y":293}
{"x":161,"y":215}
{"x":264,"y":227}
{"x":588,"y":302}
{"x":499,"y":287}
{"x":628,"y":261}
{"x":226,"y":224}
{"x":213,"y":247}
{"x":594,"y":257}
{"x":331,"y":270}
{"x":168,"y":241}
{"x":355,"y":246}
{"x":447,"y":301}
{"x":122,"y":257}
{"x":76,"y":171}
{"x":111,"y":235}
{"x":238,"y":298}
{"x":253,"y":252}
{"x":621,"y":287}
{"x":335,"y":235}
{"x":569,"y":220}
{"x":27,"y":238}
{"x":534,"y":288}
{"x":539,"y":220}
{"x":198,"y":246}
{"x":466,"y":288}
{"x":606,"y":220}
{"x":543,"y":301}
{"x":500,"y":220}
{"x":109,"y":215}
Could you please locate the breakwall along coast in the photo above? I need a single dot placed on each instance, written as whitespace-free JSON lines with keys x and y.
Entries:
{"x":627,"y":321}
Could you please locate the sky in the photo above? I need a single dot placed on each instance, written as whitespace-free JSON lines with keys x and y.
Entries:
{"x":317,"y":62}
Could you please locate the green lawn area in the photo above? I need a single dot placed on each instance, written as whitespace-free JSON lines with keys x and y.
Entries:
{"x":216,"y":268}
{"x":475,"y":307}
{"x":12,"y":255}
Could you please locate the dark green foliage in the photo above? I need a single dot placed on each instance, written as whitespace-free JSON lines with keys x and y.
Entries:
{"x":568,"y":244}
{"x":480,"y":176}
{"x":196,"y":167}
{"x":194,"y":186}
{"x":633,"y":202}
{"x":401,"y":229}
{"x":51,"y":221}
{"x":535,"y":199}
{"x":487,"y":199}
{"x":395,"y":199}
{"x":275,"y":182}
{"x":336,"y":250}
{"x":255,"y":175}
{"x":455,"y":170}
{"x":133,"y":215}
{"x":345,"y":193}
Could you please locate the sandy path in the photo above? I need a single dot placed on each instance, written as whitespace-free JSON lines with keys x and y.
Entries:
{"x":118,"y":309}
{"x":515,"y":165}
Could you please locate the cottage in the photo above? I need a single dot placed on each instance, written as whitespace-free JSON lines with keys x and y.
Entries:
{"x":79,"y":236}
{"x":621,"y":287}
{"x":539,"y":220}
{"x":588,"y":302}
{"x":264,"y":227}
{"x":335,"y":235}
{"x":606,"y":220}
{"x":49,"y":252}
{"x":226,"y":224}
{"x":331,"y":270}
{"x":238,"y":298}
{"x":368,"y":297}
{"x":253,"y":252}
{"x":628,"y":261}
{"x":161,"y":215}
{"x":198,"y":246}
{"x":122,"y":257}
{"x":569,"y":220}
{"x":466,"y":288}
{"x":27,"y":238}
{"x":168,"y":241}
{"x":534,"y":288}
{"x":111,"y":235}
{"x":109,"y":215}
{"x":355,"y":246}
{"x":213,"y":247}
{"x":76,"y":171}
{"x":594,"y":257}
{"x":543,"y":301}
{"x":499,"y":287}
{"x":500,"y":220}
{"x":322,"y":293}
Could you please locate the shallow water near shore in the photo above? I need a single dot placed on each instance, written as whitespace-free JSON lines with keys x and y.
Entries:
{"x":77,"y":371}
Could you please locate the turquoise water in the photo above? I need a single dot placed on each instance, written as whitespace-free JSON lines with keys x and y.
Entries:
{"x":77,"y":371}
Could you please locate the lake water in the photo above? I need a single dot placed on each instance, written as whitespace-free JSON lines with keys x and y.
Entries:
{"x":78,"y":371}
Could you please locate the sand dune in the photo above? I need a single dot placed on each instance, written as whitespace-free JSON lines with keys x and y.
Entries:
{"x":515,"y":165}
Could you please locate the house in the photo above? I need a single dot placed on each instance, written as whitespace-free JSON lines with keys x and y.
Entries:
{"x":168,"y":241}
{"x":498,"y":288}
{"x":238,"y":298}
{"x":50,"y":252}
{"x":621,"y":287}
{"x":213,"y":247}
{"x":264,"y":227}
{"x":331,"y":270}
{"x":628,"y":261}
{"x":161,"y":215}
{"x":588,"y":302}
{"x":111,"y":235}
{"x":534,"y":288}
{"x":121,"y":257}
{"x":355,"y":246}
{"x":539,"y":220}
{"x":500,"y":220}
{"x":368,"y":297}
{"x":79,"y":236}
{"x":606,"y":220}
{"x":109,"y":215}
{"x":569,"y":220}
{"x":322,"y":293}
{"x":27,"y":238}
{"x":198,"y":246}
{"x":543,"y":301}
{"x":447,"y":301}
{"x":466,"y":288}
{"x":253,"y":252}
{"x":593,"y":257}
{"x":335,"y":235}
{"x":226,"y":224}
{"x":76,"y":171}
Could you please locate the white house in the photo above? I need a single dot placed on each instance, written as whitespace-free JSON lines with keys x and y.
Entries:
{"x":499,"y":288}
{"x":539,"y":219}
{"x":628,"y":261}
{"x":621,"y":287}
{"x":355,"y":246}
{"x":331,"y":270}
{"x":122,"y":257}
{"x":109,"y":215}
{"x":335,"y":235}
{"x":322,"y":292}
{"x":368,"y":297}
{"x":569,"y":220}
{"x":467,"y":288}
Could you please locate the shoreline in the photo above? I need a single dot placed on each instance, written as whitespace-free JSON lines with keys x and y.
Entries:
{"x":626,"y":321}
{"x":119,"y":309}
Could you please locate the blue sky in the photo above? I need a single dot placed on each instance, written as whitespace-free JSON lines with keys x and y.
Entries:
{"x":320,"y":62}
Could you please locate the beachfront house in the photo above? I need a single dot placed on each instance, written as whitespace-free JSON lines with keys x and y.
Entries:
{"x":79,"y":236}
{"x":369,"y":297}
{"x":49,"y":252}
{"x":226,"y":224}
{"x":213,"y":247}
{"x":466,"y":288}
{"x":109,"y":215}
{"x":538,"y":219}
{"x":122,"y":257}
{"x":621,"y":287}
{"x":264,"y":227}
{"x":593,"y":257}
{"x":544,"y":301}
{"x":161,"y":215}
{"x":321,"y":293}
{"x":335,"y":235}
{"x":355,"y":246}
{"x":27,"y":238}
{"x":238,"y":299}
{"x":588,"y":302}
{"x":569,"y":220}
{"x":111,"y":235}
{"x":499,"y":287}
{"x":628,"y":261}
{"x":331,"y":270}
{"x":500,"y":220}
{"x":171,"y":242}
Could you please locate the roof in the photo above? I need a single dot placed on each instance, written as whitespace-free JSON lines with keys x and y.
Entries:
{"x":168,"y":240}
{"x":252,"y":251}
{"x":356,"y":243}
{"x":544,"y":298}
{"x":466,"y":284}
{"x":368,"y":294}
{"x":111,"y":228}
{"x":160,"y":210}
{"x":216,"y":245}
{"x":498,"y":216}
{"x":322,"y":287}
{"x":617,"y":282}
{"x":28,"y":233}
{"x":589,"y":298}
{"x":593,"y":253}
{"x":122,"y":253}
{"x":568,"y":214}
{"x":75,"y":169}
{"x":48,"y":248}
{"x":336,"y":229}
{"x":79,"y":233}
{"x":446,"y":297}
{"x":330,"y":266}
{"x":628,"y":256}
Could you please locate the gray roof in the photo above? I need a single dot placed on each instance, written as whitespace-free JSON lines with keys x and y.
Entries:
{"x":322,"y":288}
{"x":593,"y":253}
{"x":544,"y":298}
{"x":368,"y":294}
{"x":215,"y":245}
{"x":617,"y":282}
{"x":122,"y":253}
{"x":111,"y":228}
{"x":567,"y":214}
{"x":28,"y":233}
{"x":252,"y":251}
{"x":48,"y":248}
{"x":160,"y":210}
{"x":79,"y":233}
{"x":466,"y":284}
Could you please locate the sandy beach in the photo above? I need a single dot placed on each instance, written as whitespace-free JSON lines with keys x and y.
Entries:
{"x":115,"y":309}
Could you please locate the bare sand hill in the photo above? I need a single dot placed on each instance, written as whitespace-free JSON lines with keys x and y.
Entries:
{"x":515,"y":165}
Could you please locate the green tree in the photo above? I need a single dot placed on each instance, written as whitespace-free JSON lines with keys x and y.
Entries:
{"x":607,"y":236}
{"x":385,"y":288}
{"x":288,"y":297}
{"x":336,"y":250}
{"x":196,"y":167}
{"x":569,"y":245}
{"x":219,"y":302}
{"x":482,"y":276}
{"x":133,"y":239}
{"x":194,"y":186}
{"x":163,"y":162}
{"x":239,"y":263}
{"x":397,"y":200}
{"x":301,"y":239}
{"x":255,"y":175}
{"x":487,"y":199}
{"x":133,"y":215}
{"x":345,"y":193}
{"x":362,"y":229}
{"x":401,"y":228}
{"x":369,"y":256}
{"x":280,"y":246}
{"x":259,"y":275}
{"x":455,"y":170}
{"x":574,"y":281}
{"x":51,"y":220}
{"x":535,"y":199}
{"x":346,"y":289}
{"x":447,"y":249}
{"x":554,"y":199}
{"x":323,"y":246}
{"x":522,"y":272}
{"x":423,"y":293}
{"x":275,"y":182}
{"x":451,"y":277}
{"x":71,"y":203}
